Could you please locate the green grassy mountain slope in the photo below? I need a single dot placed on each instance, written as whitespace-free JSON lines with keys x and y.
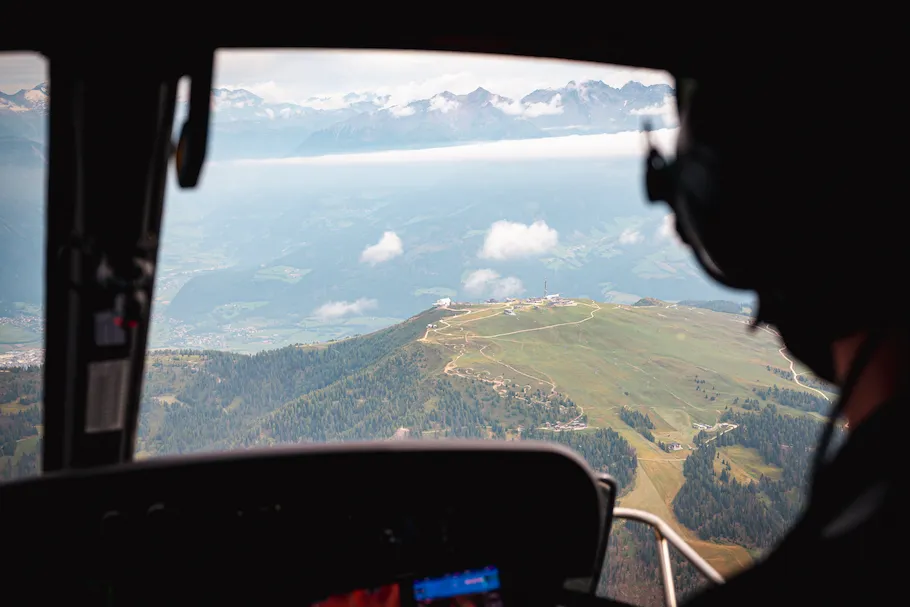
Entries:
{"x":636,"y":390}
{"x":677,"y":365}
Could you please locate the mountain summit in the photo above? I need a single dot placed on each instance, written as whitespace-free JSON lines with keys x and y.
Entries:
{"x":26,"y":100}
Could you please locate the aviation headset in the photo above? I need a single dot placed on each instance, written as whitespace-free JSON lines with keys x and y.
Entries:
{"x":708,"y":186}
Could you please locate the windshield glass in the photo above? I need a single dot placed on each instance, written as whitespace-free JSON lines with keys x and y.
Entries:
{"x":419,"y":246}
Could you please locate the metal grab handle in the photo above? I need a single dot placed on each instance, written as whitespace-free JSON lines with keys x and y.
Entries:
{"x":665,"y":536}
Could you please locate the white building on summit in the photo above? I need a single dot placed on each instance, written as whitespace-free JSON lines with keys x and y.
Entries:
{"x":444,"y":302}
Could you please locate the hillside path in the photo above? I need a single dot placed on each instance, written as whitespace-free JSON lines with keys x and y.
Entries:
{"x":537,"y":379}
{"x":561,"y":324}
{"x":792,"y":369}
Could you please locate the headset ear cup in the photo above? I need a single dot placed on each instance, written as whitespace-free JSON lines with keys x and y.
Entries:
{"x":659,"y":178}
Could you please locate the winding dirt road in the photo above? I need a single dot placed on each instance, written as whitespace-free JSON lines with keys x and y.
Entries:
{"x":561,"y":324}
{"x":793,"y":370}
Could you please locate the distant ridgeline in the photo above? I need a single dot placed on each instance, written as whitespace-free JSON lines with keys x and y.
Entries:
{"x":648,"y":301}
{"x":715,"y":305}
{"x":719,"y":305}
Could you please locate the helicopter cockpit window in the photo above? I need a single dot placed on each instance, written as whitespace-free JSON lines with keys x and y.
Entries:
{"x":405,"y":246}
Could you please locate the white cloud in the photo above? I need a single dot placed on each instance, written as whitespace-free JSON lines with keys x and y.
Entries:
{"x":553,"y":106}
{"x":666,"y":109}
{"x":439,"y":103}
{"x":477,"y":280}
{"x":388,"y":247}
{"x":667,"y":230}
{"x":512,"y":240}
{"x":618,"y":145}
{"x":507,"y":106}
{"x":336,"y":102}
{"x":531,"y":110}
{"x":488,"y":282}
{"x":630,"y":236}
{"x":401,"y":111}
{"x":507,"y":287}
{"x":334,"y":310}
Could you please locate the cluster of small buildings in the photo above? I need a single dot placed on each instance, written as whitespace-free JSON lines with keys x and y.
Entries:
{"x":536,"y":302}
{"x":22,"y":358}
{"x":575,"y":424}
{"x":549,"y":300}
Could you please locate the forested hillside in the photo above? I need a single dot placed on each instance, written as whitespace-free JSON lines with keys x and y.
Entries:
{"x":639,"y":421}
{"x":361,"y":389}
{"x":201,"y":401}
{"x":604,"y":450}
{"x":20,"y":419}
{"x":721,"y":507}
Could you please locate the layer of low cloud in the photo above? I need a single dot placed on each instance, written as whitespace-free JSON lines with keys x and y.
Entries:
{"x":513,"y":240}
{"x":388,"y":247}
{"x":438,"y":103}
{"x":335,"y":310}
{"x":402,"y":110}
{"x":615,"y":145}
{"x":489,"y":283}
{"x":530,"y":110}
{"x":630,"y":236}
{"x":666,"y":110}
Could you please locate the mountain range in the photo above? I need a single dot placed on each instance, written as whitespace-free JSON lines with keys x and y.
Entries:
{"x":268,"y":245}
{"x":248,"y":126}
{"x":23,"y":127}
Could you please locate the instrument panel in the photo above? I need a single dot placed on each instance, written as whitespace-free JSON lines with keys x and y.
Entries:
{"x":480,"y":588}
{"x":469,"y":588}
{"x":316,"y":523}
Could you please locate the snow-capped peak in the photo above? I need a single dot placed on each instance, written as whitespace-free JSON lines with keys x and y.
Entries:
{"x":362,"y":101}
{"x":479,"y":95}
{"x":234,"y":98}
{"x":26,"y":100}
